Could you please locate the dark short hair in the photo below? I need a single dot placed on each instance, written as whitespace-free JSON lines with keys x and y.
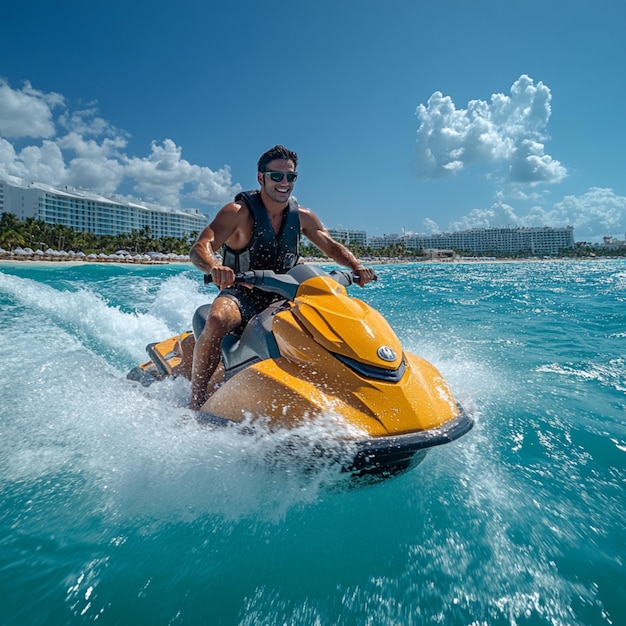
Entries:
{"x":277,"y":152}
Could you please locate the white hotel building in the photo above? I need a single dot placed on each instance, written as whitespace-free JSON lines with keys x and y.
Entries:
{"x":347,"y":236}
{"x":508,"y":240}
{"x":85,"y":211}
{"x":88,"y":212}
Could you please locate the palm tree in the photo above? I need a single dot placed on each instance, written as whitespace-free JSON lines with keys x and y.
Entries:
{"x":8,"y":220}
{"x":12,"y":238}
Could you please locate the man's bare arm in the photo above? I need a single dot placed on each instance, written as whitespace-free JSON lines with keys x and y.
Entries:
{"x":315,"y":232}
{"x":227,"y":224}
{"x":202,"y":253}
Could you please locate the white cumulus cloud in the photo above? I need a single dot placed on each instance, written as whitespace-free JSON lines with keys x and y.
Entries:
{"x":42,"y":140}
{"x":499,"y":214}
{"x":597,"y":213}
{"x":43,"y":163}
{"x":508,"y":131}
{"x":164,"y":173}
{"x":27,"y":112}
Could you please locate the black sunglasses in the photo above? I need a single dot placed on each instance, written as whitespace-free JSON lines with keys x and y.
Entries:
{"x":278,"y":176}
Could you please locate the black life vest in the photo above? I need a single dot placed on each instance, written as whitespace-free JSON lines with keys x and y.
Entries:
{"x":266,"y":250}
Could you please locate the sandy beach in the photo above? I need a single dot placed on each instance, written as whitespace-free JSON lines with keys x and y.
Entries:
{"x":146,"y":260}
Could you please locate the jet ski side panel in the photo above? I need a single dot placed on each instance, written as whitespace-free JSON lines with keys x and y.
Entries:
{"x":420,"y":400}
{"x":307,"y":381}
{"x":345,"y":325}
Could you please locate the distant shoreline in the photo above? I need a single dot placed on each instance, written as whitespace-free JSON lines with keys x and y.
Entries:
{"x":67,"y":261}
{"x":73,"y":261}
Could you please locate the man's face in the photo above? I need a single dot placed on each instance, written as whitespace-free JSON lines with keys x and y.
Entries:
{"x":277,"y":191}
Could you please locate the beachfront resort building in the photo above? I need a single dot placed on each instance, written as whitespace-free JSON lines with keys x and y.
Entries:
{"x":86,"y":211}
{"x":348,"y":237}
{"x":611,"y":243}
{"x":507,"y":240}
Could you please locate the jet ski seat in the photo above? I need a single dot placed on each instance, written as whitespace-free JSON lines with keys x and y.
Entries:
{"x":255,"y":343}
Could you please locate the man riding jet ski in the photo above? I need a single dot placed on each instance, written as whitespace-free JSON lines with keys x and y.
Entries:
{"x":283,"y":341}
{"x":259,"y":230}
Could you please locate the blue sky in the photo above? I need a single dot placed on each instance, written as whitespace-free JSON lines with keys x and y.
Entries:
{"x":407,"y":115}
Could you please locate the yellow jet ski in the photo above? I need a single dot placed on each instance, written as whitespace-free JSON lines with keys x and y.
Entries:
{"x":318,"y":352}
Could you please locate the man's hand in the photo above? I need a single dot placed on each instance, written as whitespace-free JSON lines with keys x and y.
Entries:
{"x":222,"y":276}
{"x":365,"y":275}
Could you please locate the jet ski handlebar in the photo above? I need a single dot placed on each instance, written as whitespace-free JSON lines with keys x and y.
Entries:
{"x":287,"y":285}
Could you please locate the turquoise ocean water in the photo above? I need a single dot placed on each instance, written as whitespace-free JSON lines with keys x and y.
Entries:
{"x":117,"y":508}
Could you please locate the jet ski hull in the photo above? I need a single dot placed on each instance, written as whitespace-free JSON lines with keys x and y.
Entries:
{"x":320,"y":353}
{"x":377,"y":457}
{"x":393,"y":454}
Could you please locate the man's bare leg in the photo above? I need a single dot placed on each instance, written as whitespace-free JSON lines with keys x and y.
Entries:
{"x":216,"y":381}
{"x":223,"y":317}
{"x":186,"y":358}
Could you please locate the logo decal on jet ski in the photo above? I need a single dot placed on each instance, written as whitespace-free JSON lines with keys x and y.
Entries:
{"x":386,"y":353}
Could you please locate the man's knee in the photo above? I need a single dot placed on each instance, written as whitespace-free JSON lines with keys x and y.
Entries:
{"x":223,"y":317}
